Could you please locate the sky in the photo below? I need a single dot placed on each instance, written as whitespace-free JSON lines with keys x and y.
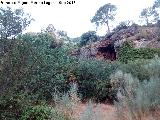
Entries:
{"x":75,"y":18}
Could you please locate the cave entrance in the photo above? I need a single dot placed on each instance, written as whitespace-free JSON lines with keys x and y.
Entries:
{"x":108,"y":52}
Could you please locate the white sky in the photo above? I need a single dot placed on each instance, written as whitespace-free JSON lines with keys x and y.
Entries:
{"x":75,"y":19}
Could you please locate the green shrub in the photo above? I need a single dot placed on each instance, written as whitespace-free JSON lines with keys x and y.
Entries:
{"x":11,"y":107}
{"x":31,"y":66}
{"x":93,"y":78}
{"x":36,"y":113}
{"x":124,"y":55}
{"x":136,"y":68}
{"x":138,"y":97}
{"x":88,"y":37}
{"x":128,"y":53}
{"x":42,"y":112}
{"x":37,"y":39}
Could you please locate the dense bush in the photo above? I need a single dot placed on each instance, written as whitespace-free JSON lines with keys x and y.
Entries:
{"x":52,"y":66}
{"x":14,"y":75}
{"x":138,"y":97}
{"x":41,"y":40}
{"x":88,"y":37}
{"x":36,"y":113}
{"x":128,"y":53}
{"x":37,"y":39}
{"x":11,"y":107}
{"x":42,"y":112}
{"x":31,"y":67}
{"x":136,"y":68}
{"x":123,"y":53}
{"x":93,"y":79}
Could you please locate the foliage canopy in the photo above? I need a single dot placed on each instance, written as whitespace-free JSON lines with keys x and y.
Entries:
{"x":13,"y":22}
{"x":104,"y":14}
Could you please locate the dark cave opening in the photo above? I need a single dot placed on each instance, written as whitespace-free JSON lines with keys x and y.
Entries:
{"x":108,"y":52}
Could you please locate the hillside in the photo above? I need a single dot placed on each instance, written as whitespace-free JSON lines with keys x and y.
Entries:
{"x":140,"y":36}
{"x":48,"y":75}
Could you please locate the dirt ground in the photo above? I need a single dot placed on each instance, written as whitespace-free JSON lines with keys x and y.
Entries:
{"x":108,"y":112}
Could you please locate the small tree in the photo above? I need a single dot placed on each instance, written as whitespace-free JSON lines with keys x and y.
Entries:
{"x":87,"y":37}
{"x":146,"y":13}
{"x":13,"y":22}
{"x":105,"y":14}
{"x":156,"y":6}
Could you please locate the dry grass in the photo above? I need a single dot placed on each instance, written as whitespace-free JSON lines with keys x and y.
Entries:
{"x":73,"y":109}
{"x":108,"y":112}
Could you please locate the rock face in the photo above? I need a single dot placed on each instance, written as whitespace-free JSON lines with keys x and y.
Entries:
{"x":123,"y":33}
{"x":141,"y":36}
{"x":102,"y":50}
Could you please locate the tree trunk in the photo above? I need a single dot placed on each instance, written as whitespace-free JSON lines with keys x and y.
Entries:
{"x":108,"y":26}
{"x":147,"y":21}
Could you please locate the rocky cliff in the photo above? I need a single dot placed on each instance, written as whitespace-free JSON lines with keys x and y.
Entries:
{"x":141,"y":36}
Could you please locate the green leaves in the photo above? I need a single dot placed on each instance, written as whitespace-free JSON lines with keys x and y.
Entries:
{"x":128,"y":53}
{"x":13,"y":22}
{"x":104,"y":14}
{"x":147,"y":13}
{"x":88,"y":37}
{"x":140,"y":96}
{"x":40,"y":112}
{"x":93,"y":78}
